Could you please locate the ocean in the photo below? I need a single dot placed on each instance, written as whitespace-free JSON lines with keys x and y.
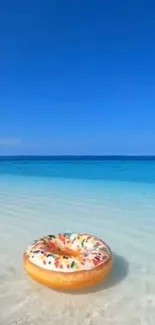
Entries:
{"x":110,"y":197}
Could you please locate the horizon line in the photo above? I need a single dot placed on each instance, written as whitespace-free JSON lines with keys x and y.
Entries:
{"x":77,"y":155}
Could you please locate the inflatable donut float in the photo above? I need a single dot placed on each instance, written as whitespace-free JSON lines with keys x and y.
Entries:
{"x":68,"y":261}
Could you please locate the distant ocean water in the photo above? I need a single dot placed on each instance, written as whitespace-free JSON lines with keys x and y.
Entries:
{"x":111,"y":197}
{"x":132,"y":169}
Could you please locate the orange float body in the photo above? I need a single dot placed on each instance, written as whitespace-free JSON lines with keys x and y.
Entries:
{"x":68,"y":261}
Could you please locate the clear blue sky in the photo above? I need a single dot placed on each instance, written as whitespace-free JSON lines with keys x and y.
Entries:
{"x":77,"y":77}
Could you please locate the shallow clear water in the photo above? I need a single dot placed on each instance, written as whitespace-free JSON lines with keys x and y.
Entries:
{"x":113,"y":199}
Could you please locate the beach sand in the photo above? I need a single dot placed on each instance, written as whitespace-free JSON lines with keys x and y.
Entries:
{"x":121,"y":215}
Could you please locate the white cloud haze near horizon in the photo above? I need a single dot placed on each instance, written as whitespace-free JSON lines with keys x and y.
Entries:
{"x":9,"y":141}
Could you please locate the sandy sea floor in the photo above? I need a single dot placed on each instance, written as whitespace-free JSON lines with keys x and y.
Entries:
{"x":121,"y":214}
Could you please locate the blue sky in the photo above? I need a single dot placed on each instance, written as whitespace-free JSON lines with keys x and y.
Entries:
{"x":77,"y":77}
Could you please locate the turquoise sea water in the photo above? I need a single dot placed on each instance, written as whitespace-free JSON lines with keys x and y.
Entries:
{"x":110,"y":169}
{"x":113,"y":198}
